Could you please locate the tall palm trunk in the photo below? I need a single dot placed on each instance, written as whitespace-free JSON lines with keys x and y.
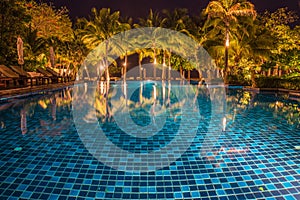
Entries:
{"x":52,"y":56}
{"x":86,"y":71}
{"x":253,"y":78}
{"x":125,"y":66}
{"x":163,"y":66}
{"x":200,"y":74}
{"x":181,"y":72}
{"x":154,"y":66}
{"x":226,"y":55}
{"x":169,"y":76}
{"x":140,"y":66}
{"x":106,"y":62}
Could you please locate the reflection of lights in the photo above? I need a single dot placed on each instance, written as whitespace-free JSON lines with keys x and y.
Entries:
{"x":164,"y":90}
{"x":164,"y":64}
{"x":224,"y":123}
{"x":124,"y":64}
{"x":125,"y":90}
{"x":154,"y":91}
{"x":154,"y":61}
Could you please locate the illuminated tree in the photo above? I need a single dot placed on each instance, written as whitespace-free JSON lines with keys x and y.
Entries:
{"x":51,"y":24}
{"x":101,"y":26}
{"x":223,"y":15}
{"x":287,"y":38}
{"x":13,"y":18}
{"x":153,"y":20}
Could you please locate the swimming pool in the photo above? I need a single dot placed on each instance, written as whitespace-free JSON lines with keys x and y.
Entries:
{"x":43,"y":155}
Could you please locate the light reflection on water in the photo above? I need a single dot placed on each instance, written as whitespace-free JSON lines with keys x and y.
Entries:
{"x":50,"y":114}
{"x":257,"y":149}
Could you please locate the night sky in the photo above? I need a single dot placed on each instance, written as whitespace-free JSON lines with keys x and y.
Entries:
{"x":140,"y":8}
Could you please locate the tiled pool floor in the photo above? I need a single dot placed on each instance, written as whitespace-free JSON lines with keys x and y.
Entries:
{"x":255,"y":158}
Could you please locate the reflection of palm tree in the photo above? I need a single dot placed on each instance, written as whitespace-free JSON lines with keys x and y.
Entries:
{"x":169,"y":93}
{"x":52,"y":128}
{"x":123,"y":105}
{"x":101,"y":105}
{"x":53,"y":108}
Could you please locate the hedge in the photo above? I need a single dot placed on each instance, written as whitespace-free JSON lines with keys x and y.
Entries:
{"x":277,"y":82}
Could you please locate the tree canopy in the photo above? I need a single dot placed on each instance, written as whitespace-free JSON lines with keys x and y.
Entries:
{"x":254,"y":42}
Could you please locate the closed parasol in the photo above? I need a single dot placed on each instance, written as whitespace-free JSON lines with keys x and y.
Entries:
{"x":52,"y":57}
{"x":20,"y":51}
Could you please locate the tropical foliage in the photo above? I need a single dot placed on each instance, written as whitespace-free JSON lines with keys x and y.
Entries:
{"x":245,"y":45}
{"x":13,"y":23}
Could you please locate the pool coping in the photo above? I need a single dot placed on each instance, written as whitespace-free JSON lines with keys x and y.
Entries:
{"x":9,"y":94}
{"x":16,"y":93}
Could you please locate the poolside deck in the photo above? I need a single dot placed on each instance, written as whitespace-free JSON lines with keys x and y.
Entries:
{"x":5,"y":93}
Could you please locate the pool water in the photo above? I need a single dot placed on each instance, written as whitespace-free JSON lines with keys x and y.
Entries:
{"x":256,"y":156}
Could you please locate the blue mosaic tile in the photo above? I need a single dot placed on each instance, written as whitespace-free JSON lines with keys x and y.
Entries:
{"x":255,"y":158}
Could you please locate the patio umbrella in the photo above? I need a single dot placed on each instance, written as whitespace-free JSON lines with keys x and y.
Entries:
{"x":52,"y":57}
{"x":20,"y":51}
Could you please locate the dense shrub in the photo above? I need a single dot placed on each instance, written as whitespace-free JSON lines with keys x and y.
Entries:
{"x":237,"y":80}
{"x":276,"y":82}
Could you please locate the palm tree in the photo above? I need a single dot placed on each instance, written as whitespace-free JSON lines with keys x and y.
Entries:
{"x":34,"y":47}
{"x":74,"y":52}
{"x":126,"y":42}
{"x":143,"y":53}
{"x":256,"y":47}
{"x":101,"y":26}
{"x":177,"y":20}
{"x":52,"y":44}
{"x":153,"y":20}
{"x":226,"y":13}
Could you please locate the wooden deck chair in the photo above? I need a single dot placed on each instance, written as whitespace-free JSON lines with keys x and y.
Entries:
{"x":8,"y":77}
{"x":24,"y":76}
{"x":55,"y":74}
{"x":47,"y":75}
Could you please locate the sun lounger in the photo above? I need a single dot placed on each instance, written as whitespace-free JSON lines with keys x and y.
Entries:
{"x":7,"y":76}
{"x":47,"y":76}
{"x":4,"y":82}
{"x":55,"y":75}
{"x":22,"y":74}
{"x":36,"y":78}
